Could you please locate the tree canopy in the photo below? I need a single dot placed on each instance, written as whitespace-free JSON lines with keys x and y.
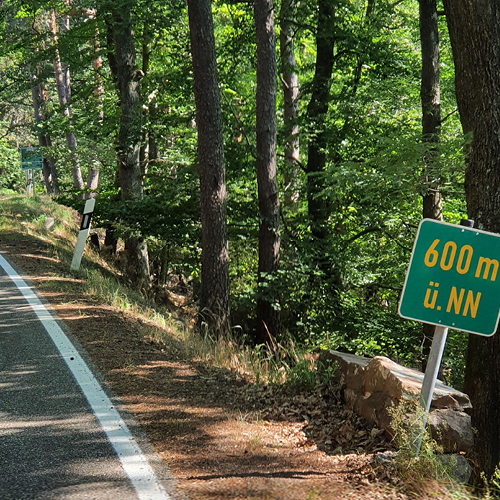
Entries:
{"x":344,"y":231}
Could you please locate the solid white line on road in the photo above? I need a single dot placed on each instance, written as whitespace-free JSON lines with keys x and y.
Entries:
{"x":134,"y":463}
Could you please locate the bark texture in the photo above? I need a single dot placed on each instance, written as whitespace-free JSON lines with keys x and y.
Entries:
{"x":290,"y":85}
{"x":214,"y":293}
{"x":62,"y":77}
{"x":129,"y":134}
{"x":431,"y":124}
{"x":39,"y":95}
{"x":431,"y":108}
{"x":93,"y":171}
{"x":318,"y":205}
{"x":474,"y":28}
{"x":123,"y":63}
{"x":268,"y":315}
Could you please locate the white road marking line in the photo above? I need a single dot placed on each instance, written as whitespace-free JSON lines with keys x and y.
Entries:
{"x":134,"y":463}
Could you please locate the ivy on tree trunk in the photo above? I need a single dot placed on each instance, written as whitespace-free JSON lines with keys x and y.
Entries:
{"x":318,"y":205}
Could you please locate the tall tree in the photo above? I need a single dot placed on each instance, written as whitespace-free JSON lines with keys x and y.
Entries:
{"x":431,"y":124}
{"x":268,"y":314}
{"x":317,"y":109}
{"x":214,"y":293}
{"x":123,"y":63}
{"x":93,"y":170}
{"x":474,"y":29}
{"x":290,"y":85}
{"x":62,"y":76}
{"x":39,"y":96}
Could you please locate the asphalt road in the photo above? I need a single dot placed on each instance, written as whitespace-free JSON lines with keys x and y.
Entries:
{"x":52,"y":444}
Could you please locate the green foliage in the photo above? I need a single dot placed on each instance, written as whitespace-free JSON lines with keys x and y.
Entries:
{"x":11,"y":175}
{"x":340,"y":293}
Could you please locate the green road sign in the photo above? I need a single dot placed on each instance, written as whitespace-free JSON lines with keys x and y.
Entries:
{"x":453,"y":279}
{"x":31,"y":158}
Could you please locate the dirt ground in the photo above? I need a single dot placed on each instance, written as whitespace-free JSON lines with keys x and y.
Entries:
{"x":222,"y":438}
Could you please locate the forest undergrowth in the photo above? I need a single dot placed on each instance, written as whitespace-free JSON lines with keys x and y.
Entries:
{"x":278,"y":383}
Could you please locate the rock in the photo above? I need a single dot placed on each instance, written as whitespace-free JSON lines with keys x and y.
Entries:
{"x":457,"y":466}
{"x":451,"y":429}
{"x":385,"y":458}
{"x":375,"y":408}
{"x":373,"y":386}
{"x":352,"y":368}
{"x":447,"y":401}
{"x":49,"y":223}
{"x":399,"y":382}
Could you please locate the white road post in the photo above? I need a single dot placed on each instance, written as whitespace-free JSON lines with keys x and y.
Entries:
{"x":84,"y":232}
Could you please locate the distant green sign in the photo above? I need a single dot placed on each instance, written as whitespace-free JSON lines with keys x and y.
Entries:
{"x":453,"y":278}
{"x":31,"y":158}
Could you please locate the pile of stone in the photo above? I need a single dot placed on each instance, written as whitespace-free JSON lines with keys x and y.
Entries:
{"x":373,"y":385}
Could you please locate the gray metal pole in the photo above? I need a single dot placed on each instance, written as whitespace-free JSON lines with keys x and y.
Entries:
{"x":430,"y":378}
{"x":28,"y":183}
{"x":432,"y":370}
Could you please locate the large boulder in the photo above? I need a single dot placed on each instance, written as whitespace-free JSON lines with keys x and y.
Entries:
{"x":399,"y":382}
{"x":351,"y":368}
{"x":451,"y":429}
{"x":373,"y":386}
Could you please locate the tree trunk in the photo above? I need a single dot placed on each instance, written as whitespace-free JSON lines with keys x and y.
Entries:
{"x":39,"y":96}
{"x":124,"y":64}
{"x":63,"y":93}
{"x":475,"y":37}
{"x":290,"y":103}
{"x":153,"y":149}
{"x":129,"y":134}
{"x":431,"y":124}
{"x":214,"y":293}
{"x":92,"y":181}
{"x":268,"y":315}
{"x":93,"y":172}
{"x":318,"y":205}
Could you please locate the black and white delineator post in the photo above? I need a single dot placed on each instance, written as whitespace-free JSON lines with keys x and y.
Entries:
{"x":84,"y":232}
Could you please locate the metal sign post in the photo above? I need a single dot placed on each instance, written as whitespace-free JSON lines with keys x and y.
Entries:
{"x":452,"y":283}
{"x":430,"y":378}
{"x":31,"y":160}
{"x":29,"y":185}
{"x":83,"y":234}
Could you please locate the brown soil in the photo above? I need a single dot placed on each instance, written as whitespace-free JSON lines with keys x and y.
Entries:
{"x":221,"y":437}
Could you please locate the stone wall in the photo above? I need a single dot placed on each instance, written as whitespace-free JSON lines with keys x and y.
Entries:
{"x":373,"y":385}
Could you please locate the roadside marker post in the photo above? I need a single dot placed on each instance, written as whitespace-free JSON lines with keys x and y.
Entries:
{"x":83,"y":234}
{"x":451,"y":283}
